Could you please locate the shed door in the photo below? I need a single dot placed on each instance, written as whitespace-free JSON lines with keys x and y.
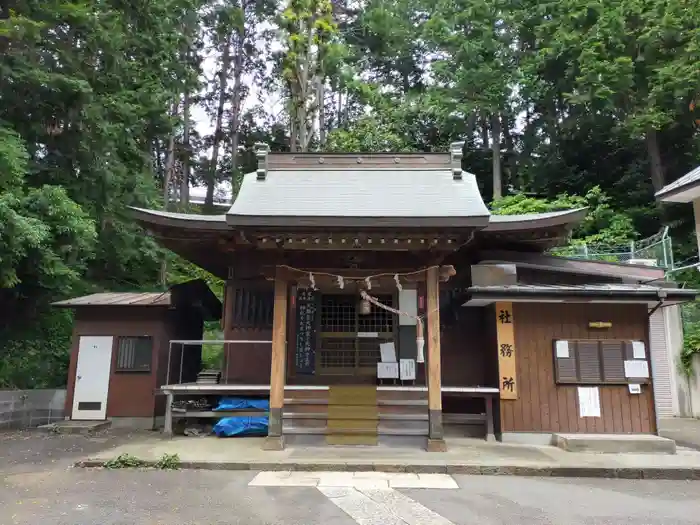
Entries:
{"x":92,"y":377}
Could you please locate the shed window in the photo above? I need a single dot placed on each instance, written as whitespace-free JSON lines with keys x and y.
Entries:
{"x":593,"y":361}
{"x":134,"y":354}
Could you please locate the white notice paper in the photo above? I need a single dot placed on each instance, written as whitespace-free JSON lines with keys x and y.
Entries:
{"x":562,"y":349}
{"x":638,"y":350}
{"x":407,"y":369}
{"x":388,"y":352}
{"x":636,"y":368}
{"x":387,"y":370}
{"x":588,"y":401}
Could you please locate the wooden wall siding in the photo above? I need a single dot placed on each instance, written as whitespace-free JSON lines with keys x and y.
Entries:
{"x":246,"y":363}
{"x":542,"y":405}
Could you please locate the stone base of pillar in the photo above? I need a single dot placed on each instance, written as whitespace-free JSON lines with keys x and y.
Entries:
{"x":436,"y":445}
{"x":273,"y":443}
{"x":274,"y":427}
{"x":435,"y":430}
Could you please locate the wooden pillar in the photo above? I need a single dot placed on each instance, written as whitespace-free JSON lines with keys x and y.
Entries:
{"x":436,"y":442}
{"x":275,"y":439}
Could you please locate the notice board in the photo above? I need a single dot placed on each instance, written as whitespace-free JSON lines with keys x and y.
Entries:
{"x":307,"y":318}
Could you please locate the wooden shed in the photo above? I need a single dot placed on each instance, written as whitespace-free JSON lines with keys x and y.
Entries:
{"x":119,"y":356}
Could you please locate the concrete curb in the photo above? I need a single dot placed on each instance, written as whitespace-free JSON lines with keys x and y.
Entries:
{"x":668,"y":473}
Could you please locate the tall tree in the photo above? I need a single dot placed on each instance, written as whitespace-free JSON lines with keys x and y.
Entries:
{"x":310,"y":33}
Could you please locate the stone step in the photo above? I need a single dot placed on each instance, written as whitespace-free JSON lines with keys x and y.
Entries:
{"x":76,"y":427}
{"x":615,"y":443}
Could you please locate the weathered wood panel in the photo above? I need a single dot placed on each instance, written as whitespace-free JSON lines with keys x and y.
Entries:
{"x":542,"y":405}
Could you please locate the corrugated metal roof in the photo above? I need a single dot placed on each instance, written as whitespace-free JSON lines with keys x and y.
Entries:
{"x":359,"y":194}
{"x":682,"y":183}
{"x":119,"y":299}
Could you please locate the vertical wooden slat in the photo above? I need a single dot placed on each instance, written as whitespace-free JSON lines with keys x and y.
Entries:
{"x":516,"y":416}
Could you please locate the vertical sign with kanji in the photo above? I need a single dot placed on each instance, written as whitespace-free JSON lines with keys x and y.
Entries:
{"x":505,"y":340}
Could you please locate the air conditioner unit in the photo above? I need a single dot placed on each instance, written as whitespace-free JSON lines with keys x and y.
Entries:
{"x":643,"y":262}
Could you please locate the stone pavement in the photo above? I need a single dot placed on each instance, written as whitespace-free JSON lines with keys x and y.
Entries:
{"x":464,"y":455}
{"x":684,"y":431}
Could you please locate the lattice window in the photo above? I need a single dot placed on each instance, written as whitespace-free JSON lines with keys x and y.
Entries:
{"x":344,"y":346}
{"x":339,"y":313}
{"x":337,"y":353}
{"x":378,"y":320}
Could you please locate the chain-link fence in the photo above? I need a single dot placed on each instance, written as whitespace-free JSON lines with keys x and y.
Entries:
{"x":656,"y":250}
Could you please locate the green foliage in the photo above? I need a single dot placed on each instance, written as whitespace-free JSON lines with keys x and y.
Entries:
{"x":124,"y":461}
{"x":602,"y":224}
{"x":691,"y":348}
{"x":37,"y":354}
{"x":168,"y":462}
{"x":367,"y":135}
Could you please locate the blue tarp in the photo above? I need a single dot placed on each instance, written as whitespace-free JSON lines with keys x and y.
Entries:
{"x":242,"y":403}
{"x":241,"y":426}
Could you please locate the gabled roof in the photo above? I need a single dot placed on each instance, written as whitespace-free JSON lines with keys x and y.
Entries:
{"x":379,"y":191}
{"x":683,"y":189}
{"x":354,"y":198}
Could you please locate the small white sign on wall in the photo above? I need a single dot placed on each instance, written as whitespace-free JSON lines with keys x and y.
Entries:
{"x":588,"y":401}
{"x":636,"y":368}
{"x":638,"y":350}
{"x":635,"y":388}
{"x":407,"y":370}
{"x":562,"y":348}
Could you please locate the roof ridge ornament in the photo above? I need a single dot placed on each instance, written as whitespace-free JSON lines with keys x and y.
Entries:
{"x":456,"y":151}
{"x":261,"y":152}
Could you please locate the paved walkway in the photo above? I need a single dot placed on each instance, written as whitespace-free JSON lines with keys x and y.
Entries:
{"x":464,"y":455}
{"x":684,"y":431}
{"x":153,"y":497}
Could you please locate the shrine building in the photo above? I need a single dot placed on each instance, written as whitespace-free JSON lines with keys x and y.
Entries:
{"x":374,"y":297}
